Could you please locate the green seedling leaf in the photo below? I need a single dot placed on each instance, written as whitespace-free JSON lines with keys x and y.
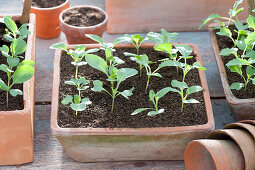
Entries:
{"x":155,"y":74}
{"x":118,"y":61}
{"x":12,"y":61}
{"x":250,"y":71}
{"x":125,"y":73}
{"x":3,"y":86}
{"x":80,"y":48}
{"x":169,"y":63}
{"x":236,"y":62}
{"x":191,"y":101}
{"x":236,"y":69}
{"x":78,"y":107}
{"x":86,"y":101}
{"x":240,"y":44}
{"x":224,"y":31}
{"x":98,"y":86}
{"x":18,"y":46}
{"x":27,"y":63}
{"x":5,"y":68}
{"x":23,"y":74}
{"x":154,"y":113}
{"x":24,"y":30}
{"x":236,"y":86}
{"x":59,"y":46}
{"x":185,"y":50}
{"x":209,"y":18}
{"x":108,"y":54}
{"x":152,"y":95}
{"x":127,"y":93}
{"x":240,"y":26}
{"x":250,"y":39}
{"x":97,"y":63}
{"x":8,"y":37}
{"x":251,"y":21}
{"x":250,"y":54}
{"x":198,"y":66}
{"x":168,"y":36}
{"x":68,"y":99}
{"x":155,"y":37}
{"x":193,"y":89}
{"x":178,"y":84}
{"x":15,"y":92}
{"x":10,"y":24}
{"x":95,"y":38}
{"x":139,"y":111}
{"x":228,"y":51}
{"x":93,"y":50}
{"x":164,"y":47}
{"x":121,"y":39}
{"x":162,"y":92}
{"x":77,"y":99}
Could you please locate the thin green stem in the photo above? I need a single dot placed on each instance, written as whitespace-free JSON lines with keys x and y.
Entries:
{"x":7,"y":92}
{"x":76,"y":72}
{"x":140,"y":69}
{"x":156,"y":105}
{"x":147,"y":85}
{"x":112,"y":104}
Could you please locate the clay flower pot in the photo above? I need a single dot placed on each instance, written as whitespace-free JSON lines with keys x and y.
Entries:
{"x":76,"y":35}
{"x":242,"y":109}
{"x":208,"y":154}
{"x":181,"y":15}
{"x":123,"y":144}
{"x":249,"y":127}
{"x":16,"y":127}
{"x":243,"y":139}
{"x":47,"y":22}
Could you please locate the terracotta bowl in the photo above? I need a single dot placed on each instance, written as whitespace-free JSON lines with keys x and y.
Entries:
{"x":209,"y":154}
{"x":76,"y":35}
{"x":47,"y":22}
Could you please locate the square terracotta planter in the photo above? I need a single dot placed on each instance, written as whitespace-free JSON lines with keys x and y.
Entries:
{"x":124,"y":144}
{"x":16,"y":127}
{"x":127,"y":16}
{"x":242,"y":109}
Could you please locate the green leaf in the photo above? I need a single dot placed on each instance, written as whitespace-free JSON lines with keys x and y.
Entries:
{"x":10,"y":24}
{"x":236,"y":69}
{"x":228,"y":51}
{"x":12,"y":61}
{"x":5,"y":49}
{"x":23,"y":74}
{"x":93,"y":50}
{"x":86,"y":101}
{"x":168,"y":36}
{"x":193,"y":89}
{"x":250,"y":38}
{"x":169,"y":63}
{"x":78,"y":107}
{"x":108,"y":54}
{"x":250,"y":71}
{"x":236,"y":86}
{"x":142,"y":59}
{"x":198,"y":66}
{"x":8,"y":37}
{"x":127,"y":93}
{"x":250,"y":54}
{"x":251,"y":21}
{"x":68,"y":99}
{"x":164,"y":47}
{"x":97,"y":63}
{"x":224,"y":31}
{"x":139,"y":111}
{"x":18,"y":46}
{"x":15,"y":92}
{"x":77,"y":99}
{"x":239,"y":62}
{"x":117,"y":60}
{"x":27,"y":62}
{"x":152,"y":95}
{"x":121,"y":39}
{"x":155,"y":37}
{"x":59,"y":46}
{"x":240,"y":26}
{"x":154,"y":113}
{"x":155,"y":74}
{"x":3,"y":86}
{"x":162,"y":92}
{"x":209,"y":18}
{"x":178,"y":84}
{"x":95,"y":38}
{"x":98,"y":86}
{"x":24,"y":30}
{"x":190,"y":101}
{"x":185,"y":50}
{"x":125,"y":73}
{"x":5,"y":68}
{"x":241,"y":44}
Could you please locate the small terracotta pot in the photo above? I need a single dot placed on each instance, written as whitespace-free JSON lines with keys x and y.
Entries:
{"x":17,"y":126}
{"x":243,"y":139}
{"x":124,"y":144}
{"x":249,"y":127}
{"x":208,"y":154}
{"x":242,"y":109}
{"x":47,"y":22}
{"x":252,"y":122}
{"x":76,"y":35}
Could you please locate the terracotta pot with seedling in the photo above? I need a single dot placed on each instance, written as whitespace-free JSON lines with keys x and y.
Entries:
{"x":99,"y":102}
{"x":17,"y":61}
{"x":47,"y":17}
{"x":233,"y":43}
{"x":77,"y":21}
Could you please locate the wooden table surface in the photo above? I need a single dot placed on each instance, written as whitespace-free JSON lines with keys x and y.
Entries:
{"x":48,"y":153}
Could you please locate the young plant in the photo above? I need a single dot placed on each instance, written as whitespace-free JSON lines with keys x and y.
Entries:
{"x":76,"y":102}
{"x":154,"y":98}
{"x":163,"y":37}
{"x":136,"y":40}
{"x":17,"y":72}
{"x":179,"y":88}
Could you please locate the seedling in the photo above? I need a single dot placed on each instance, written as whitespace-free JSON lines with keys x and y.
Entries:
{"x":163,"y":37}
{"x":184,"y":95}
{"x":17,"y":72}
{"x":154,"y":98}
{"x":76,"y":102}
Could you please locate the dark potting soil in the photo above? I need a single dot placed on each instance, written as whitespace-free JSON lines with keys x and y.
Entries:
{"x":225,"y":42}
{"x":83,"y":17}
{"x":15,"y":103}
{"x":47,"y":3}
{"x":98,"y":114}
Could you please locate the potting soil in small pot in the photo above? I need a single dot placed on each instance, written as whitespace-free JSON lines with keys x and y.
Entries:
{"x":47,"y":3}
{"x":83,"y":17}
{"x":98,"y":114}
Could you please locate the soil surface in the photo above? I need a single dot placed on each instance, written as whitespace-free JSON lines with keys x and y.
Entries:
{"x":15,"y":103}
{"x":225,"y":42}
{"x":83,"y":17}
{"x":98,"y":114}
{"x":47,"y":3}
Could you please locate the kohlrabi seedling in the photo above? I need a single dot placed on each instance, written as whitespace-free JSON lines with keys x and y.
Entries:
{"x":154,"y":98}
{"x":179,"y":88}
{"x":163,"y":37}
{"x":136,"y":40}
{"x":76,"y":102}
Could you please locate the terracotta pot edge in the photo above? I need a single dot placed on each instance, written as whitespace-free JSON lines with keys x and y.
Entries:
{"x":51,"y":8}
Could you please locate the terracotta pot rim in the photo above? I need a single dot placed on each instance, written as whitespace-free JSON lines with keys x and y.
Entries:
{"x":27,"y":85}
{"x":51,"y":8}
{"x":129,"y":131}
{"x":84,"y":6}
{"x":229,"y":95}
